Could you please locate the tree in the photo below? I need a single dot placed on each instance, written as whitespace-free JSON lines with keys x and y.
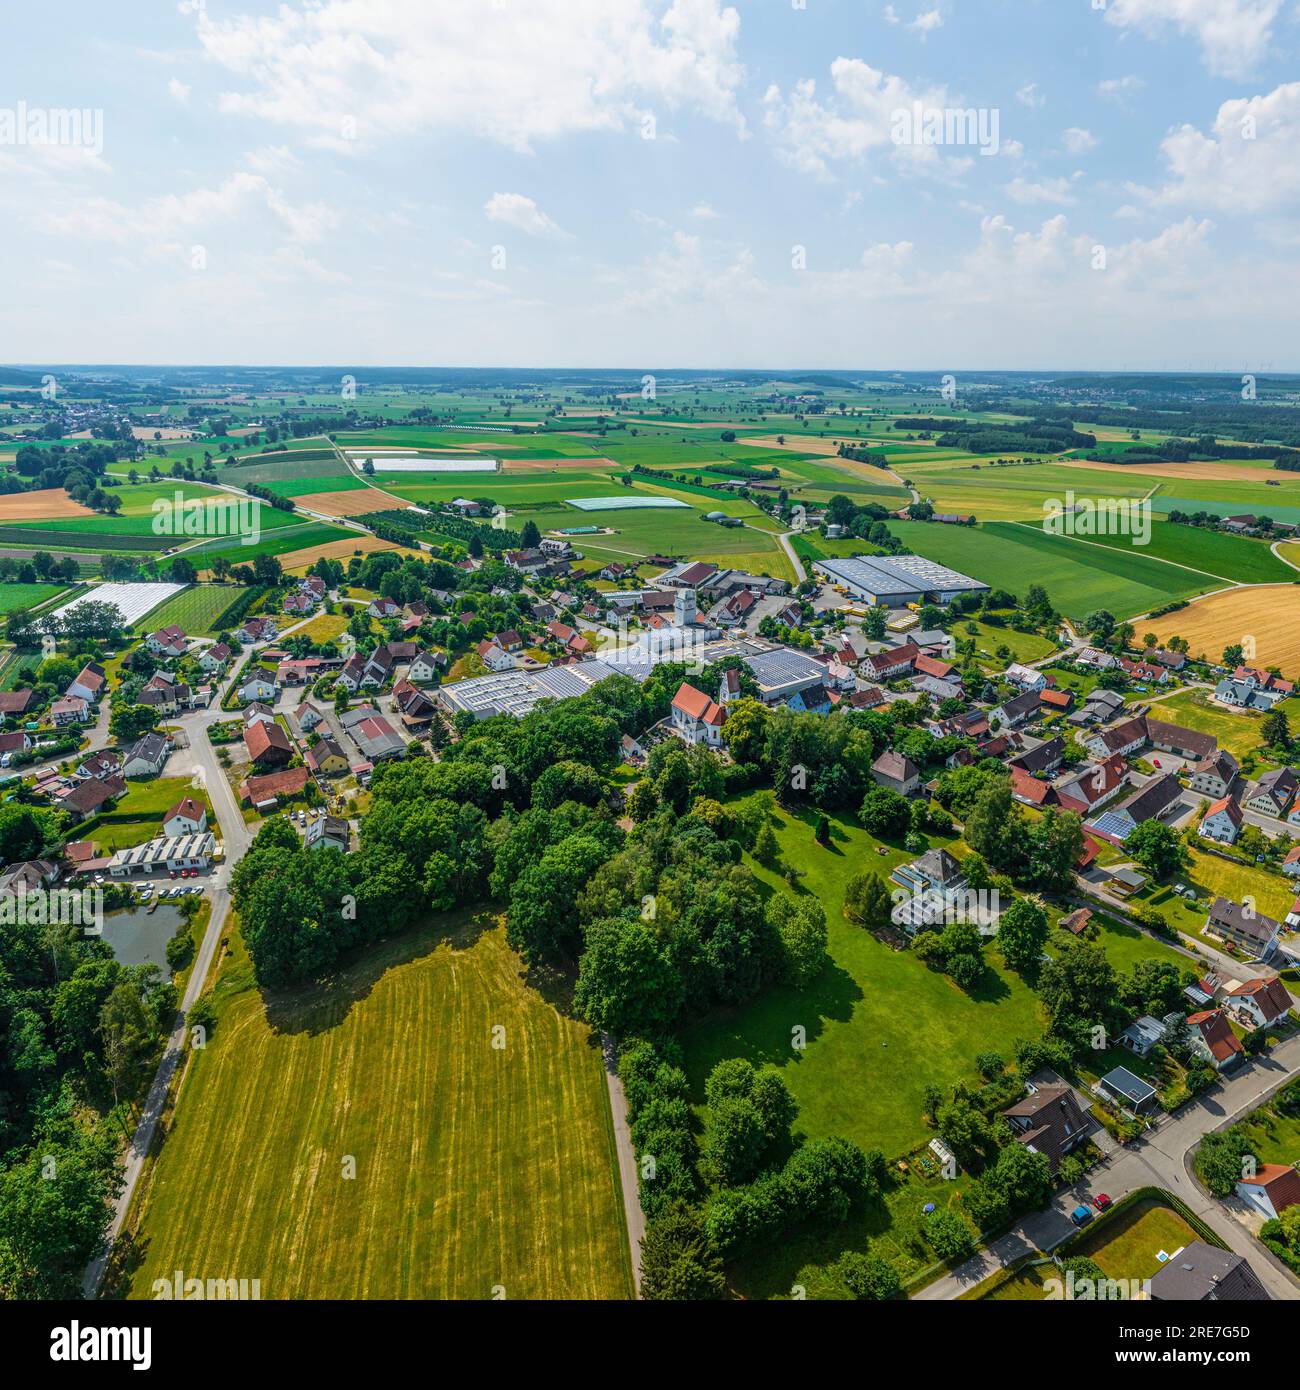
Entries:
{"x":1158,"y":848}
{"x":1222,"y":1159}
{"x":1233,"y":655}
{"x":765,"y":846}
{"x":642,"y":801}
{"x":1275,"y":731}
{"x":1080,"y":984}
{"x":868,"y":902}
{"x":885,"y":814}
{"x":1022,"y":934}
{"x":678,"y":1261}
{"x":949,"y":1236}
{"x":530,"y":537}
{"x":627,"y":983}
{"x":868,"y":1277}
{"x":129,"y":722}
{"x":800,"y":924}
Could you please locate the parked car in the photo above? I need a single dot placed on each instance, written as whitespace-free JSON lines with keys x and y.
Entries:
{"x":1081,"y":1216}
{"x":1101,"y":1201}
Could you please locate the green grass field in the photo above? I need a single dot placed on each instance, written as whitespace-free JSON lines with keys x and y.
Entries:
{"x":475,"y":1167}
{"x":881,"y":1027}
{"x":1238,"y":732}
{"x":1078,"y":575}
{"x":1233,"y":558}
{"x":1128,"y":1247}
{"x":137,"y":817}
{"x":194,"y":610}
{"x":14,"y":596}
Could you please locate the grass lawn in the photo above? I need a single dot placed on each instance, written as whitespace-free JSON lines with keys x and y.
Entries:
{"x":880,"y":1026}
{"x":1127,"y":1246}
{"x":475,"y":1167}
{"x":324,"y":627}
{"x":1021,"y":1286}
{"x":1274,"y":1136}
{"x":137,"y":817}
{"x":1125,"y":946}
{"x":1024,"y":646}
{"x":1237,"y":732}
{"x":1214,"y":877}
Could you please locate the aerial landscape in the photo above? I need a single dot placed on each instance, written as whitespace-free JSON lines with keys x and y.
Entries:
{"x":489,"y":814}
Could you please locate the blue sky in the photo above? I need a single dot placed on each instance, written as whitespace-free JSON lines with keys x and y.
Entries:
{"x":652,"y":183}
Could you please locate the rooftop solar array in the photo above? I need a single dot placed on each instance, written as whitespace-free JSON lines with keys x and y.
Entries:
{"x":898,"y":574}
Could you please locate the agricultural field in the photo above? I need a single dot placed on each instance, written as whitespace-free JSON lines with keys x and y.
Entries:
{"x":303,"y":536}
{"x":1265,"y":614}
{"x":1078,"y":575}
{"x":1234,"y":559}
{"x":194,"y":610}
{"x":474,"y":1167}
{"x":15,"y":596}
{"x":134,"y":601}
{"x":49,"y":504}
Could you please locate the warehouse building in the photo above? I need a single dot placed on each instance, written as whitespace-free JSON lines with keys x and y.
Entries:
{"x":896,"y":580}
{"x":167,"y":852}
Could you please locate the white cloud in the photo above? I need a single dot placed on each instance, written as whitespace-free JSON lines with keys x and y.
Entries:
{"x":1120,"y":89}
{"x":1041,"y":191}
{"x":1029,"y":95}
{"x":355,"y":72}
{"x":853,"y":123}
{"x":705,"y":212}
{"x":522,"y":213}
{"x":1234,"y":34}
{"x":1079,"y":141}
{"x":1246,"y":163}
{"x":178,"y":91}
{"x":926,"y":23}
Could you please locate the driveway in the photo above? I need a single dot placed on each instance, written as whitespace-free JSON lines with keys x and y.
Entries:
{"x":1161,"y":1159}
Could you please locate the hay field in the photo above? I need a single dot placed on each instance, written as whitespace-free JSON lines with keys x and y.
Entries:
{"x":350,"y":502}
{"x":48,"y":504}
{"x":1265,"y":613}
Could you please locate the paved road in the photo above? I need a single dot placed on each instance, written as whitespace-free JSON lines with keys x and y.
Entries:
{"x":1162,"y":1160}
{"x":632,"y":1213}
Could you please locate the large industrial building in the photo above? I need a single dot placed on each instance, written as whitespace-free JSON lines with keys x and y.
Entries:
{"x":896,"y":580}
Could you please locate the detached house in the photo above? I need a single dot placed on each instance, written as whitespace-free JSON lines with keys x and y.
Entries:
{"x":1258,"y":1003}
{"x":1223,"y":821}
{"x":267,"y":743}
{"x":696,"y":718}
{"x":215,"y":658}
{"x":1213,"y":1039}
{"x":1273,"y":793}
{"x":1122,"y":739}
{"x":425,"y":667}
{"x":1015,"y":711}
{"x":187,"y":817}
{"x":896,"y":773}
{"x":1049,"y":1122}
{"x":1252,"y":931}
{"x":1271,"y":1190}
{"x":885,"y":666}
{"x":494,"y":658}
{"x":90,"y":683}
{"x":1216,"y":775}
{"x":167,"y":641}
{"x":146,"y":756}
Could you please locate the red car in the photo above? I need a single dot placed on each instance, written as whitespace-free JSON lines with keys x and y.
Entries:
{"x":1101,"y":1201}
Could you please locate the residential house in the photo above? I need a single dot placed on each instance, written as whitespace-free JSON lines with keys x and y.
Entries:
{"x":378,"y":667}
{"x":327,"y":832}
{"x":1127,"y":1090}
{"x":326,"y":757}
{"x":889,"y":665}
{"x":350,"y":677}
{"x":1121,"y":739}
{"x":257,"y":710}
{"x":696,"y":718}
{"x":89,"y":684}
{"x":267,"y":743}
{"x":1046,"y":757}
{"x":1029,"y":790}
{"x":1015,"y":711}
{"x":1026,"y":677}
{"x":258,"y":687}
{"x":1094,"y":659}
{"x":1258,"y":1003}
{"x":896,"y":773}
{"x":257,"y":630}
{"x":1049,"y":1121}
{"x":1154,"y":801}
{"x":383,"y":608}
{"x":71,"y":709}
{"x":1244,"y":927}
{"x":1246,"y":694}
{"x":1216,"y":775}
{"x":146,"y":756}
{"x":1145,"y":672}
{"x":1200,"y":1273}
{"x":88,"y":798}
{"x":15,"y":702}
{"x":1143,"y":1034}
{"x":188,"y":817}
{"x":107,"y":763}
{"x":269,"y":790}
{"x":1273,"y":793}
{"x":1291,"y":864}
{"x":216,"y":658}
{"x":167,"y":641}
{"x":494,"y":657}
{"x":425,"y":666}
{"x":1213,"y":1039}
{"x":1271,"y":1189}
{"x":1094,"y":785}
{"x":1223,"y":821}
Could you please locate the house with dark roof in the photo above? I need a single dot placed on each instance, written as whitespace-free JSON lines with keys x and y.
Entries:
{"x":1173,"y":738}
{"x":1046,"y":757}
{"x":1244,"y":927}
{"x":1015,"y":711}
{"x":146,"y":756}
{"x":1200,"y":1273}
{"x":1050,"y":1122}
{"x":1273,"y":793}
{"x":1127,"y":1090}
{"x":1121,"y":739}
{"x":1216,"y":775}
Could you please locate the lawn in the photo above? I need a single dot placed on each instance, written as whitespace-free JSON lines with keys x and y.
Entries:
{"x":1125,"y":946}
{"x":193,"y":610}
{"x":137,"y":817}
{"x":1214,"y":877}
{"x":1024,"y":646}
{"x":880,"y":1026}
{"x":474,"y":1167}
{"x":1127,"y":1246}
{"x":1274,"y":1136}
{"x":1238,"y":732}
